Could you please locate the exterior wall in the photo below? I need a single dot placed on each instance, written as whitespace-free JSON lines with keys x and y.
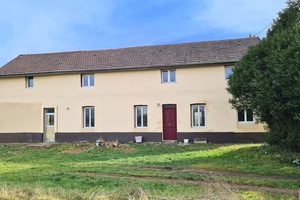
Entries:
{"x":20,"y":122}
{"x":20,"y":117}
{"x":114,"y":96}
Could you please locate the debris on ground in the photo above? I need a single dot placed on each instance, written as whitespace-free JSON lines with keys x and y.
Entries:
{"x":114,"y":144}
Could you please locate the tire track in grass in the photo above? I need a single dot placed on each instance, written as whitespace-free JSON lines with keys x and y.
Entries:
{"x":189,"y":181}
{"x":216,"y":172}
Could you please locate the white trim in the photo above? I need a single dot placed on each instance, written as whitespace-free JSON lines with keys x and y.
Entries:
{"x":142,"y":114}
{"x":85,"y":108}
{"x":168,"y":76}
{"x":245,"y":118}
{"x":88,"y":80}
{"x":199,"y":113}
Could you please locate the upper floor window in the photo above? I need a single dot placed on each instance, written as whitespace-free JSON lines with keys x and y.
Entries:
{"x":29,"y":81}
{"x":228,"y":71}
{"x":245,"y":116}
{"x":141,"y":116}
{"x":198,"y":115}
{"x":88,"y":117}
{"x":168,"y":76}
{"x":87,"y":80}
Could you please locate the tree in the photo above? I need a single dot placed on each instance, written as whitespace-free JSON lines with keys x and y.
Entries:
{"x":267,"y":80}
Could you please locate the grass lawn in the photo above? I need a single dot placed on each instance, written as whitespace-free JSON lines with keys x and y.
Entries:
{"x":147,"y":171}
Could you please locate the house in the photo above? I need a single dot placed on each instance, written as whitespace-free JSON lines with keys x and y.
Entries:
{"x":160,"y":92}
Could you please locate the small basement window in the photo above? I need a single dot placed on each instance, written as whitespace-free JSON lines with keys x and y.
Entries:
{"x":29,"y":81}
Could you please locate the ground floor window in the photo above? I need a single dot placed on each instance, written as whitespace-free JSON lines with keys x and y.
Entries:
{"x":141,"y":116}
{"x":245,"y":116}
{"x":198,"y":115}
{"x":88,"y":117}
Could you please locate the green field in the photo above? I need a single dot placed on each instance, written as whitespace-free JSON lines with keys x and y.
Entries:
{"x":147,"y":171}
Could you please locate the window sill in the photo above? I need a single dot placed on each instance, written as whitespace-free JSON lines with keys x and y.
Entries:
{"x":246,"y":123}
{"x":198,"y":127}
{"x":168,"y":82}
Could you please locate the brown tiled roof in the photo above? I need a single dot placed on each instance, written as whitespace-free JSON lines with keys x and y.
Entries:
{"x":142,"y":57}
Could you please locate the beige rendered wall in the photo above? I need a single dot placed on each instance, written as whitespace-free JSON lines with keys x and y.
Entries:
{"x":20,"y":117}
{"x":115,"y":94}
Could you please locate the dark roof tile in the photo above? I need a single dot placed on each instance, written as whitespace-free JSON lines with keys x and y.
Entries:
{"x":209,"y":52}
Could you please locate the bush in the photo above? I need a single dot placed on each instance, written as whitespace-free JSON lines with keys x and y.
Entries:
{"x":267,"y":80}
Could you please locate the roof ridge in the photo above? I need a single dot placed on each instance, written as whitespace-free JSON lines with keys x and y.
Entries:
{"x":140,"y":46}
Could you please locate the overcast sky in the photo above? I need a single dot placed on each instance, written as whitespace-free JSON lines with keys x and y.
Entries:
{"x":35,"y":26}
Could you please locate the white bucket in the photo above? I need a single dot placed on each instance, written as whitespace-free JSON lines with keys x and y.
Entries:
{"x":138,"y":139}
{"x":185,"y":141}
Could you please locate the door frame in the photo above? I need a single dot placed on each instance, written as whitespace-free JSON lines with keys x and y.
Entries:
{"x":44,"y":122}
{"x":163,"y":106}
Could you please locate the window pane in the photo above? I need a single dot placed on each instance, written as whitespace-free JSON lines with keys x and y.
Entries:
{"x":51,"y":120}
{"x":87,"y":117}
{"x":49,"y":110}
{"x":92,"y":117}
{"x":172,"y":75}
{"x":202,"y":116}
{"x":85,"y":82}
{"x":164,"y":76}
{"x":30,"y":81}
{"x":249,"y":116}
{"x":138,"y":116}
{"x":91,"y":80}
{"x":194,"y":115}
{"x":241,"y":116}
{"x":145,"y":122}
{"x":228,"y":72}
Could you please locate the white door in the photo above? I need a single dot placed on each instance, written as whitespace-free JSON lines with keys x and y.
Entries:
{"x":49,"y":124}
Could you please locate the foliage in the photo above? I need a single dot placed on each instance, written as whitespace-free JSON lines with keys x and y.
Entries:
{"x":267,"y":80}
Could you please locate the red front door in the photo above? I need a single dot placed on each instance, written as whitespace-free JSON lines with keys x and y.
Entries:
{"x":169,"y":122}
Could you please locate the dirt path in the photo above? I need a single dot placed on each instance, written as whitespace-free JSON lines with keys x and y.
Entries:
{"x":218,"y":173}
{"x":190,"y":181}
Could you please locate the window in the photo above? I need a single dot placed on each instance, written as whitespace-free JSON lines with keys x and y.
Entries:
{"x":198,"y":115}
{"x":141,"y":118}
{"x":29,"y":81}
{"x":87,"y":80}
{"x":245,"y":116}
{"x":228,"y":71}
{"x":49,"y":117}
{"x":168,"y":76}
{"x":88,"y":117}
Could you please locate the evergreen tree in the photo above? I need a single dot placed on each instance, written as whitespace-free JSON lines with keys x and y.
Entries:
{"x":267,"y":79}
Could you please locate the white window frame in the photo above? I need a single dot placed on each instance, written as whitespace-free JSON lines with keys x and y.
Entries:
{"x":89,"y":80}
{"x":169,"y":76}
{"x":142,"y":114}
{"x":198,"y":110}
{"x":226,"y":67}
{"x":27,"y":81}
{"x":85,"y":108}
{"x":245,"y":118}
{"x":46,"y":119}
